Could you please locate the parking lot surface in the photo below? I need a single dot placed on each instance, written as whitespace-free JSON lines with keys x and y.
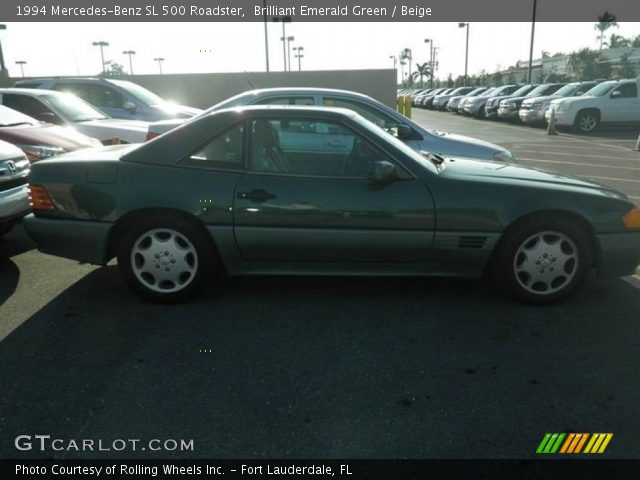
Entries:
{"x":325,"y":367}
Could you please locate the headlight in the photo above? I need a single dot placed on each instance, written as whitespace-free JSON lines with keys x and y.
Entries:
{"x":509,"y":105}
{"x":504,"y":156}
{"x":38,"y":152}
{"x":95,"y":142}
{"x":536,"y":106}
{"x":631,"y":219}
{"x":563,"y":106}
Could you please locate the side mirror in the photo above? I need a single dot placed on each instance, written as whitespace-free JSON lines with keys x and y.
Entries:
{"x":405,"y":132}
{"x":616,"y":94}
{"x":48,"y":117}
{"x":129,"y":106}
{"x":383,"y":172}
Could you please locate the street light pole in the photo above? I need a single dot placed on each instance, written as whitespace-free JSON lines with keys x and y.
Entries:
{"x":130,"y":52}
{"x":159,"y":60}
{"x":22,"y":63}
{"x":466,"y":53}
{"x":284,"y":20}
{"x":289,"y":40}
{"x":101,"y":44}
{"x":298,"y":55}
{"x":430,"y":42}
{"x":533,"y":29}
{"x":266,"y":37}
{"x":3,"y":69}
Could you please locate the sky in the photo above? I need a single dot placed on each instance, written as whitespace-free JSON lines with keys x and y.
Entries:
{"x":66,"y":48}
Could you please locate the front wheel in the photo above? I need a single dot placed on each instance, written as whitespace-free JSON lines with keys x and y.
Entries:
{"x":165,"y":260}
{"x":587,"y":121}
{"x":543,"y":261}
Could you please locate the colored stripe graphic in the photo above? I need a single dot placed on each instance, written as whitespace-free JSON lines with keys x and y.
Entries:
{"x":551,"y":442}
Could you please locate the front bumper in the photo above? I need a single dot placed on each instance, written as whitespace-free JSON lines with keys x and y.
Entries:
{"x":562,"y":118}
{"x":619,"y":254}
{"x":531,"y":116}
{"x":490,"y":112}
{"x":507,"y":114}
{"x":81,"y":240}
{"x":14,"y":204}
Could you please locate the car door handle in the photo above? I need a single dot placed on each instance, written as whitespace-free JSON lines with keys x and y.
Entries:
{"x":257,"y":195}
{"x":336,"y":143}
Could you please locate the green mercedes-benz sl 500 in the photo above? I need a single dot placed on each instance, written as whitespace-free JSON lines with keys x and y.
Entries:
{"x":315,"y":191}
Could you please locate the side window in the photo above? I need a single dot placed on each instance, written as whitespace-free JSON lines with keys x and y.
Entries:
{"x":222,"y":152}
{"x":97,"y":95}
{"x":628,"y":90}
{"x":382,"y":120}
{"x":311,"y":148}
{"x":30,"y":106}
{"x":287,"y":101}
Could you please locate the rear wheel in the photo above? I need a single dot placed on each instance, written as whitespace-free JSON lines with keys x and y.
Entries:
{"x":587,"y":120}
{"x":165,"y":259}
{"x":544,"y":260}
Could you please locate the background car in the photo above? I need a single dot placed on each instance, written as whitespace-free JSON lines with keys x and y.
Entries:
{"x":116,"y":98}
{"x":478,"y":106}
{"x":440,"y":101}
{"x":532,"y":110}
{"x":454,"y":101}
{"x":306,"y":190}
{"x":40,"y":140}
{"x":509,"y":107}
{"x":492,"y":104}
{"x":14,"y":199}
{"x":612,"y":102}
{"x":68,"y":110}
{"x":410,"y":132}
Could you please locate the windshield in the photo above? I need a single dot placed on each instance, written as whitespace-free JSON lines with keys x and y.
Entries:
{"x":567,"y":90}
{"x":72,"y":108}
{"x":521,"y":91}
{"x":141,"y":93}
{"x":9,"y":117}
{"x":540,"y":89}
{"x":602,"y":89}
{"x":476,"y":92}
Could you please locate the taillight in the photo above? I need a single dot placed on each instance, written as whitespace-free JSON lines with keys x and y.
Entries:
{"x":151,"y":135}
{"x":39,"y":199}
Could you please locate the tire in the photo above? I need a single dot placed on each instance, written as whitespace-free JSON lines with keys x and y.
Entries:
{"x":542,"y":260}
{"x":480,"y":113}
{"x":166,"y":259}
{"x":587,"y":121}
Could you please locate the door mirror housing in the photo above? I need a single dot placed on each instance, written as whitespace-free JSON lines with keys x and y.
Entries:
{"x":129,"y":106}
{"x":383,"y":172}
{"x":616,"y":94}
{"x":405,"y":132}
{"x":48,"y":117}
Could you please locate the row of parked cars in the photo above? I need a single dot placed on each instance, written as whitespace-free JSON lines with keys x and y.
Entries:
{"x":273,"y":182}
{"x":581,"y":105}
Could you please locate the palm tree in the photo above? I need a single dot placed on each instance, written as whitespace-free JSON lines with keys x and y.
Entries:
{"x":618,"y":41}
{"x":422,"y":70}
{"x":605,"y":22}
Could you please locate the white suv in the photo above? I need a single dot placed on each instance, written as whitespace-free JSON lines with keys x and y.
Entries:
{"x":616,"y":101}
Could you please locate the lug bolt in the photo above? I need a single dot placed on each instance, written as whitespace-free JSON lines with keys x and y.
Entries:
{"x":173,"y":260}
{"x":157,"y":255}
{"x":166,"y":253}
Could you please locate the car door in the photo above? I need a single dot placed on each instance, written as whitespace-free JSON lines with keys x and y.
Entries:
{"x":320,"y":206}
{"x":624,"y":104}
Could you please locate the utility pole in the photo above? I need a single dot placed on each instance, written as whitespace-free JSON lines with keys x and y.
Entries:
{"x":284,"y":21}
{"x":533,"y":29}
{"x":130,"y":52}
{"x":159,"y":60}
{"x":101,"y":44}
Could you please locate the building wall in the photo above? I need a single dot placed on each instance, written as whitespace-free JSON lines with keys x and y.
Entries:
{"x":205,"y":89}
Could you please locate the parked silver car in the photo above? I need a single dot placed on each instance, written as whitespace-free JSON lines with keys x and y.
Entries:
{"x":413,"y":134}
{"x":14,"y":199}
